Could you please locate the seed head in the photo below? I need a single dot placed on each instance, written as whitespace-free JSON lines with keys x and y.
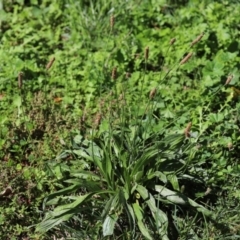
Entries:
{"x":114,"y":73}
{"x":229,"y":79}
{"x":184,"y":60}
{"x":172,"y":41}
{"x":196,"y":40}
{"x":20,"y":79}
{"x":146,"y":54}
{"x":97,"y":120}
{"x":187,"y":130}
{"x":50,"y":63}
{"x":111,"y":22}
{"x":152,"y":93}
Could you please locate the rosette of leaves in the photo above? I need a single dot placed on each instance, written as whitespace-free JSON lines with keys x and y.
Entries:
{"x":120,"y":185}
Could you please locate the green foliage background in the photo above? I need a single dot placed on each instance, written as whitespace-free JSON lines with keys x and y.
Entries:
{"x":75,"y":135}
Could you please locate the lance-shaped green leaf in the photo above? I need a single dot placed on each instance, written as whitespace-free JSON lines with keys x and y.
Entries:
{"x":61,"y":213}
{"x":109,"y":224}
{"x":179,"y":198}
{"x":64,"y":209}
{"x":139,"y":214}
{"x":160,"y":217}
{"x":49,"y":222}
{"x":64,"y":191}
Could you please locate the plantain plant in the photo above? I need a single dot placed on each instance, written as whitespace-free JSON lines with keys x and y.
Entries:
{"x":124,"y":179}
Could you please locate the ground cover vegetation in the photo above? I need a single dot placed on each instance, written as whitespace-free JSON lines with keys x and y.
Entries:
{"x":119,"y":119}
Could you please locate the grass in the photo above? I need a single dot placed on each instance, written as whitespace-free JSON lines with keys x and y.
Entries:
{"x":119,"y":120}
